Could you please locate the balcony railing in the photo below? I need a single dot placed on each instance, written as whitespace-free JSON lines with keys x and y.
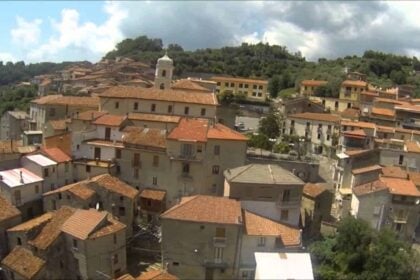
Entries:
{"x":219,"y":241}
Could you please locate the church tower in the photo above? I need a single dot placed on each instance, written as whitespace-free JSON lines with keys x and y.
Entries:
{"x":163,"y":74}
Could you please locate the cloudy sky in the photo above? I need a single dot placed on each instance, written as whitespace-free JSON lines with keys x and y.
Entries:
{"x":56,"y":31}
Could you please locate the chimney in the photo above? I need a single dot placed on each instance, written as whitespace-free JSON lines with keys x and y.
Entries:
{"x":21,"y":176}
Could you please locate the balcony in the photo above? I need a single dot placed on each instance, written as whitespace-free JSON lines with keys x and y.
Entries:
{"x":219,"y":241}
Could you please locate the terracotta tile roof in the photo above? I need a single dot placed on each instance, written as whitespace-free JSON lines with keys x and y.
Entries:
{"x":7,"y":210}
{"x":148,"y":137}
{"x":61,"y":141}
{"x":206,"y":209}
{"x":52,"y":230}
{"x":112,"y":226}
{"x":358,"y":133}
{"x":415,"y":177}
{"x":126,"y":277}
{"x":239,"y":80}
{"x":190,"y":130}
{"x":56,"y":154}
{"x":366,"y":169}
{"x":358,"y":124}
{"x":156,"y":275}
{"x":79,"y":189}
{"x":370,"y":187}
{"x":221,"y":132}
{"x":109,"y":120}
{"x":391,"y":101}
{"x":188,"y":85}
{"x":383,"y":112}
{"x":354,"y":83}
{"x":153,"y":194}
{"x":394,"y":172}
{"x":409,"y":108}
{"x":89,"y":115}
{"x":114,"y":184}
{"x":351,"y":113}
{"x":313,"y":190}
{"x":316,"y":117}
{"x":10,"y":146}
{"x":153,"y":117}
{"x":105,"y":143}
{"x":33,"y":223}
{"x":313,"y":83}
{"x":83,"y":222}
{"x":59,"y":99}
{"x":370,"y":93}
{"x":412,"y":146}
{"x":355,"y":153}
{"x":386,"y":129}
{"x":23,"y":262}
{"x":401,"y":186}
{"x":261,"y":226}
{"x":58,"y":124}
{"x":403,"y":130}
{"x":171,"y":95}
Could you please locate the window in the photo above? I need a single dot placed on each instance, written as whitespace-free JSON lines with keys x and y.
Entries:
{"x":220,"y":232}
{"x":75,"y":243}
{"x":136,"y":106}
{"x":136,"y":159}
{"x":218,"y":83}
{"x":36,"y":189}
{"x":59,"y":196}
{"x":117,"y":105}
{"x":154,"y":181}
{"x":66,"y":167}
{"x":226,"y":84}
{"x":136,"y":173}
{"x":401,"y":160}
{"x":186,"y":150}
{"x":169,"y":108}
{"x":319,"y":136}
{"x":328,"y":137}
{"x":286,"y":195}
{"x":155,"y":161}
{"x":162,"y":86}
{"x":88,"y":168}
{"x":153,"y":108}
{"x":175,"y":263}
{"x":284,"y":216}
{"x":203,"y":111}
{"x":163,"y":73}
{"x":215,"y":169}
{"x":232,"y":84}
{"x":121,"y":198}
{"x":121,"y":211}
{"x":261,"y":241}
{"x":254,"y":93}
{"x":115,"y":258}
{"x":51,"y":112}
{"x":186,"y":110}
{"x":348,"y":105}
{"x":241,"y":85}
{"x":117,"y":153}
{"x":254,"y":86}
{"x":45,"y":172}
{"x":218,"y":254}
{"x":336,"y":104}
{"x":199,"y":148}
{"x":246,"y":85}
{"x":78,"y":147}
{"x":216,"y":150}
{"x":214,"y":188}
{"x":186,"y":168}
{"x":19,"y":241}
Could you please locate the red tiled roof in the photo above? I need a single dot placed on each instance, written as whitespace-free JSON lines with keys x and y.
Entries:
{"x":79,"y":189}
{"x":114,"y":184}
{"x":190,"y":130}
{"x":180,"y":96}
{"x":383,"y":112}
{"x":415,"y":177}
{"x":401,"y":186}
{"x":154,"y":117}
{"x":358,"y":133}
{"x":351,"y":113}
{"x":207,"y":209}
{"x":358,"y":124}
{"x":148,"y":137}
{"x":412,"y":146}
{"x":156,"y":275}
{"x":313,"y":83}
{"x":356,"y":153}
{"x":33,"y":223}
{"x":239,"y":80}
{"x":366,"y":169}
{"x":219,"y":131}
{"x":89,"y":115}
{"x":68,"y":101}
{"x":188,"y":85}
{"x":354,"y":83}
{"x":370,"y":187}
{"x":56,"y":154}
{"x":313,"y":190}
{"x":109,"y":120}
{"x":394,"y":172}
{"x":7,"y":210}
{"x":153,"y":194}
{"x":83,"y":222}
{"x":260,"y":226}
{"x":317,"y":117}
{"x":23,"y":262}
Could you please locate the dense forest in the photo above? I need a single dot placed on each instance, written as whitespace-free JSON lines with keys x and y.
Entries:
{"x":265,"y":61}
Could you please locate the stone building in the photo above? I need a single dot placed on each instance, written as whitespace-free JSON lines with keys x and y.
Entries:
{"x":9,"y":217}
{"x":12,"y":125}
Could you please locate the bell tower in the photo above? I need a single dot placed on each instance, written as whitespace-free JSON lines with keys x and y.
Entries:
{"x":164,"y":71}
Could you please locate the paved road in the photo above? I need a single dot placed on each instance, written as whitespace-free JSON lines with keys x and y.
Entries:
{"x":250,"y":123}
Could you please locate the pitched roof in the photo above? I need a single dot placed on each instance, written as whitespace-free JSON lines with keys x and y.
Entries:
{"x":370,"y":187}
{"x":154,"y":117}
{"x":408,"y":107}
{"x":41,"y":160}
{"x":114,"y":184}
{"x":412,"y":146}
{"x":56,"y":154}
{"x":58,"y":124}
{"x":358,"y":133}
{"x":79,"y":189}
{"x":88,"y":115}
{"x":383,"y":112}
{"x":354,"y":83}
{"x":316,"y":117}
{"x":188,"y":85}
{"x":7,"y":210}
{"x":111,"y":226}
{"x":355,"y":153}
{"x":148,"y":137}
{"x":313,"y":190}
{"x":68,"y":101}
{"x":190,"y":130}
{"x":153,"y":194}
{"x":83,"y":222}
{"x":238,"y":79}
{"x":386,"y":129}
{"x":415,"y":177}
{"x":394,"y":172}
{"x":23,"y":262}
{"x":270,"y":174}
{"x":261,"y":226}
{"x":50,"y":232}
{"x":109,"y":120}
{"x":156,"y":275}
{"x":20,"y":115}
{"x":313,"y":83}
{"x":366,"y":169}
{"x":18,"y":177}
{"x":207,"y":209}
{"x":33,"y":223}
{"x":171,"y":95}
{"x":219,"y":131}
{"x":401,"y":186}
{"x":358,"y":124}
{"x":351,"y":113}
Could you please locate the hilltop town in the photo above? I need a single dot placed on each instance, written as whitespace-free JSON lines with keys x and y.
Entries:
{"x":119,"y":170}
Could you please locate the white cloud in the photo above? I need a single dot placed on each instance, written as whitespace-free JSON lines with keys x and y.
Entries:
{"x":26,"y":33}
{"x":6,"y":57}
{"x":87,"y":38}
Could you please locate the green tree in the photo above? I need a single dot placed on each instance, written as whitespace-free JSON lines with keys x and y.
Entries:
{"x":269,"y":126}
{"x":260,"y":141}
{"x":274,"y":86}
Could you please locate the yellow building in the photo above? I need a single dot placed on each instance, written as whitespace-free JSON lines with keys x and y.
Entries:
{"x":350,"y":90}
{"x":308,"y":87}
{"x":253,"y":89}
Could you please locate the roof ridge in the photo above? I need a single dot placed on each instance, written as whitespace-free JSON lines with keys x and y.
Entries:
{"x":170,"y":210}
{"x":271,"y":173}
{"x":245,"y":169}
{"x":269,"y":219}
